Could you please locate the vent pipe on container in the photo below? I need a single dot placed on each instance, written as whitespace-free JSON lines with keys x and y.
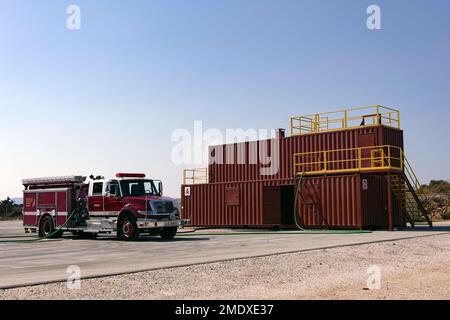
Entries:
{"x":280,"y":133}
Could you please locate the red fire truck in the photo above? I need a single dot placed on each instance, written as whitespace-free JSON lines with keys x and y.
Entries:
{"x":129,"y":204}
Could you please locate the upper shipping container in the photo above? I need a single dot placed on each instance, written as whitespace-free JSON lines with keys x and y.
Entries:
{"x":274,"y":159}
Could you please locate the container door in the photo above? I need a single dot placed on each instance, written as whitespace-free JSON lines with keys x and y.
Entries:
{"x":365,"y":141}
{"x":271,"y":206}
{"x":287,"y":205}
{"x":374,"y":202}
{"x":310,"y":201}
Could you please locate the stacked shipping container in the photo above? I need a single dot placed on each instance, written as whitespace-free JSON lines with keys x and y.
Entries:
{"x":238,"y":195}
{"x":224,"y":170}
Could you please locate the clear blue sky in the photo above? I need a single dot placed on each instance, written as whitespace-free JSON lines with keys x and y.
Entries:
{"x":106,"y":98}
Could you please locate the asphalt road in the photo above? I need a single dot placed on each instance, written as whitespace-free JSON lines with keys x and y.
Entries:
{"x":46,"y":261}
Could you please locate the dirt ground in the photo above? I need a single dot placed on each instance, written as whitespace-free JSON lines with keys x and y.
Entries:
{"x":410,"y":269}
{"x":429,"y":283}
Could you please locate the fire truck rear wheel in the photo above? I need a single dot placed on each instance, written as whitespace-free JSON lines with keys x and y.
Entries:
{"x":47,"y":228}
{"x":128,"y":229}
{"x":169,"y":233}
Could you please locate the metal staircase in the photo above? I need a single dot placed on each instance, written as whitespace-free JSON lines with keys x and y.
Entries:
{"x":407,"y":189}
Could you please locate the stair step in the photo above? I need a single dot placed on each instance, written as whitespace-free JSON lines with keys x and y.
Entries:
{"x":407,"y":199}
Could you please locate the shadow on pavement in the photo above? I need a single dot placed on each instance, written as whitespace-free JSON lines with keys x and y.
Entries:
{"x":426,"y":228}
{"x":142,"y":239}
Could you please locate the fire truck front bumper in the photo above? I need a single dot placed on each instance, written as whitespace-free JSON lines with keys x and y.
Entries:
{"x":153,"y":223}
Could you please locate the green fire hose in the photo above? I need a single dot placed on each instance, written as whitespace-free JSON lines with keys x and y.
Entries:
{"x":50,"y":235}
{"x":318,"y":231}
{"x":297,"y":191}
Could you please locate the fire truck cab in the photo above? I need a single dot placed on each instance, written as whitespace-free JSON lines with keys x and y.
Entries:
{"x":129,"y":204}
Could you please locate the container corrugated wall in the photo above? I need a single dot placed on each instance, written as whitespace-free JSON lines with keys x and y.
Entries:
{"x":374,"y":201}
{"x":332,"y":200}
{"x":347,"y":201}
{"x":341,"y":202}
{"x":246,"y":168}
{"x":232,"y":204}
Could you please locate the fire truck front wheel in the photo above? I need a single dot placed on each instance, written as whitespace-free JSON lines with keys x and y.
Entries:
{"x":169,"y":233}
{"x":128,"y":229}
{"x":47,"y":228}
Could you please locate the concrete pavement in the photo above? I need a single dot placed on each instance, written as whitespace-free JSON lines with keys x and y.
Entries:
{"x":47,"y":261}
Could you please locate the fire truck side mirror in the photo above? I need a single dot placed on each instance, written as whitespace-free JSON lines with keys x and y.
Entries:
{"x":160,"y":188}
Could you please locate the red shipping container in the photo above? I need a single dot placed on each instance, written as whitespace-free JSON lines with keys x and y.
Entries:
{"x":356,"y":201}
{"x":241,"y":161}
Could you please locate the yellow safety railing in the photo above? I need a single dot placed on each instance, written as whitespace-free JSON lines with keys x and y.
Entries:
{"x":417,"y":186}
{"x":411,"y":175}
{"x":349,"y":160}
{"x":195,"y":176}
{"x":345,"y":119}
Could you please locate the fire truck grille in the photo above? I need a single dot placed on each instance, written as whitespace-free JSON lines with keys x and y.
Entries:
{"x":162,"y":206}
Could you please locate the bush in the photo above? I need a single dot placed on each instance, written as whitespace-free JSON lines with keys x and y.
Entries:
{"x":439,"y":200}
{"x":445,"y":215}
{"x":14,"y":214}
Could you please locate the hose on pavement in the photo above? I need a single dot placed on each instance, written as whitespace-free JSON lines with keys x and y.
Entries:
{"x":48,"y":236}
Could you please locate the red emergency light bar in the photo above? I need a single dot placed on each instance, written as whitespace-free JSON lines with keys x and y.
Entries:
{"x":130,"y":175}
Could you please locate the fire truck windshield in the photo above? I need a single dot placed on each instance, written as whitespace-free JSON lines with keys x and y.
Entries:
{"x":138,"y":188}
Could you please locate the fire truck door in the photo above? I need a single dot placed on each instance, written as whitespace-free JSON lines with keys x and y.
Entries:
{"x":113,"y":201}
{"x":96,"y":198}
